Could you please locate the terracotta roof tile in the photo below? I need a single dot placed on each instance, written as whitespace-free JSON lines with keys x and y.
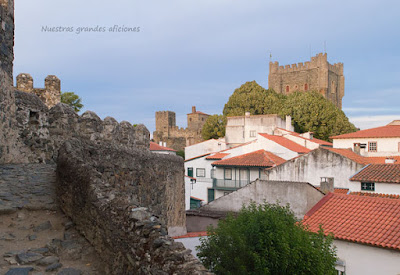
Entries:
{"x":319,"y":141}
{"x":388,"y":131}
{"x":386,"y":173}
{"x":260,"y":158}
{"x":339,"y":190}
{"x":155,"y":147}
{"x":348,"y":153}
{"x":217,"y":156}
{"x":192,"y":235}
{"x":378,"y":195}
{"x":359,"y":219}
{"x":198,"y":157}
{"x":291,"y":145}
{"x":196,"y":198}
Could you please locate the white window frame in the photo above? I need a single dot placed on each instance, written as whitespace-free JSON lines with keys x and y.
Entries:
{"x":200,"y":172}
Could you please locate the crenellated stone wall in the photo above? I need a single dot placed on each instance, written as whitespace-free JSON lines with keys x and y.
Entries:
{"x":50,"y":95}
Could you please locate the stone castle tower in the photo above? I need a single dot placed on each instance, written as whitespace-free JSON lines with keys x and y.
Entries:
{"x":50,"y":95}
{"x":315,"y":75}
{"x":175,"y":137}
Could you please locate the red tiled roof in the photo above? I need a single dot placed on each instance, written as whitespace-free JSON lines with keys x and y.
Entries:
{"x":386,"y":173}
{"x":315,"y":140}
{"x":155,"y":147}
{"x":338,"y":190}
{"x":359,"y":219}
{"x":198,"y":157}
{"x":217,"y":156}
{"x":381,"y":160}
{"x":192,"y":178}
{"x":198,"y":112}
{"x":378,"y":195}
{"x":291,"y":145}
{"x":260,"y":158}
{"x":196,"y":198}
{"x":348,"y":153}
{"x":388,"y":131}
{"x":192,"y":235}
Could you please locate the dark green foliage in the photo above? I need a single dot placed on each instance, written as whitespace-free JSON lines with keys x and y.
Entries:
{"x":72,"y":100}
{"x":310,"y":111}
{"x":253,"y":98}
{"x":214,"y":127}
{"x":266,"y":239}
{"x":181,"y":153}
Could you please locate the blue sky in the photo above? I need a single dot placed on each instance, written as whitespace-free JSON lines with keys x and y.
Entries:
{"x":198,"y":52}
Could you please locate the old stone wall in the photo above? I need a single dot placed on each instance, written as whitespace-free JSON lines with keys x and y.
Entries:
{"x":10,"y":146}
{"x":122,"y":202}
{"x":43,"y":131}
{"x":315,"y":75}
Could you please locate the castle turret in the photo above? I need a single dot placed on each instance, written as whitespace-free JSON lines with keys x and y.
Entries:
{"x":25,"y":82}
{"x":52,"y":83}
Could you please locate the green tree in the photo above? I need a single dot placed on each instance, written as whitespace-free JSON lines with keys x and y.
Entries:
{"x":253,"y":98}
{"x":214,"y":127}
{"x":311,"y":112}
{"x":266,"y":239}
{"x":72,"y":100}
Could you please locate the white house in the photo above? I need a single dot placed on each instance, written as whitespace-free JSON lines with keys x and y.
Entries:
{"x":380,"y":141}
{"x":306,"y":139}
{"x":365,"y":229}
{"x":160,"y":149}
{"x":377,"y":178}
{"x":242,"y":129}
{"x":208,"y":146}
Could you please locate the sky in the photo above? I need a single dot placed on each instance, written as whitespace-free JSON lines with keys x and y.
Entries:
{"x":187,"y":53}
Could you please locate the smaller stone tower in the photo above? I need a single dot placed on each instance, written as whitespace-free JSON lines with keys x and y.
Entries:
{"x":196,"y":119}
{"x":50,"y":95}
{"x":164,"y":121}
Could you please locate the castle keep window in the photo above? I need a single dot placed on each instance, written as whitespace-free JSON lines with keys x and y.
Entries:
{"x":287,"y":89}
{"x":306,"y":87}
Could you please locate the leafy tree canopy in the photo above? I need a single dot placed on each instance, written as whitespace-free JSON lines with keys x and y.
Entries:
{"x":214,"y":127}
{"x":72,"y":100}
{"x":310,"y":111}
{"x":266,"y":239}
{"x":253,"y":98}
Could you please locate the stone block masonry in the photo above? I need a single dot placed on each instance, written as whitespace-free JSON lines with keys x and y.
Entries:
{"x":121,"y":202}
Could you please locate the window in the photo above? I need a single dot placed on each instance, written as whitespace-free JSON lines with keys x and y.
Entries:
{"x":253,"y":133}
{"x":228,"y":173}
{"x":212,"y":173}
{"x":367,"y":186}
{"x":372,"y":146}
{"x":190,"y":172}
{"x":306,"y":87}
{"x":287,"y":89}
{"x":200,"y":172}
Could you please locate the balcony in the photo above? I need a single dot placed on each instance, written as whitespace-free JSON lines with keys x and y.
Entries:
{"x":229,"y":184}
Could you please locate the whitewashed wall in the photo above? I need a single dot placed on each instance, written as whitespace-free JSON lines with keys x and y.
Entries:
{"x":386,"y":146}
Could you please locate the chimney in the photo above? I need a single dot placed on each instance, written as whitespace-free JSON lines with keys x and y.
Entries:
{"x":193,"y":109}
{"x":357,"y":148}
{"x":165,"y":144}
{"x":160,"y":143}
{"x":327,"y":185}
{"x":288,"y":123}
{"x":390,"y":160}
{"x":247,"y":114}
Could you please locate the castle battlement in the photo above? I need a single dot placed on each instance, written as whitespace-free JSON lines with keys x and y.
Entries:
{"x":314,"y":75}
{"x":50,"y":94}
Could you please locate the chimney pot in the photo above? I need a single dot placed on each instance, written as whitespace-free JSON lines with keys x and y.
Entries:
{"x":327,"y":185}
{"x":247,"y":114}
{"x":288,"y":123}
{"x":193,"y":109}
